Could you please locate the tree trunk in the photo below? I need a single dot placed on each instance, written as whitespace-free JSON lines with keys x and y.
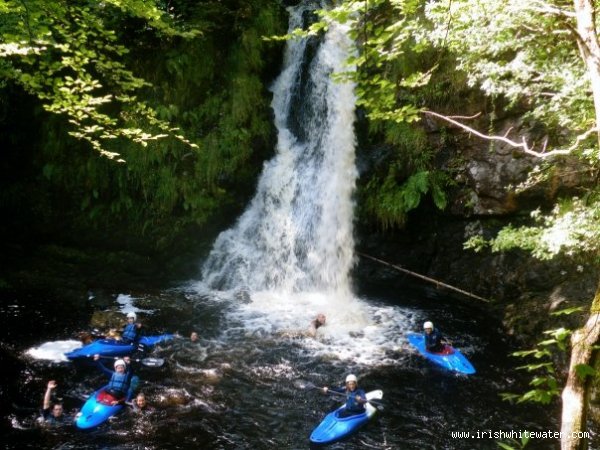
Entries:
{"x":590,"y":49}
{"x":575,"y":395}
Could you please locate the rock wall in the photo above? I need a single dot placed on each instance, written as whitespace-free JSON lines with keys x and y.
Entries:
{"x":490,"y":193}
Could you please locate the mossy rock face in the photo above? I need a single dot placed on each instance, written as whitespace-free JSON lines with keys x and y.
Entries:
{"x":107,"y":321}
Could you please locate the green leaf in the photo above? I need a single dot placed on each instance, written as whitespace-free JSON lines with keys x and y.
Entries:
{"x":505,"y":446}
{"x":567,"y":311}
{"x":584,"y":370}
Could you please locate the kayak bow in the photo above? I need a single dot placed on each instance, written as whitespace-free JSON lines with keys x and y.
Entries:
{"x":99,"y":407}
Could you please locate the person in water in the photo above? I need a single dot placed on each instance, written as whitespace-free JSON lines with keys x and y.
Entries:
{"x":132,"y":330}
{"x":194,"y":337}
{"x":52,"y":414}
{"x":140,"y":404}
{"x":316,"y":323}
{"x":355,"y":397}
{"x":120,"y":379}
{"x":434,"y":340}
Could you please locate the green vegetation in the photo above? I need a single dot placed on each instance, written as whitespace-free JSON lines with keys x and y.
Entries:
{"x":71,"y":58}
{"x":401,"y":180}
{"x":177,"y":94}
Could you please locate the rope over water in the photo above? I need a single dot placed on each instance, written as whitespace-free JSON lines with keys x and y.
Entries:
{"x":423,"y":277}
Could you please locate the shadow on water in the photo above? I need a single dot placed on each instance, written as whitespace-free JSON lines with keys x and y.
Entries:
{"x":241,"y":388}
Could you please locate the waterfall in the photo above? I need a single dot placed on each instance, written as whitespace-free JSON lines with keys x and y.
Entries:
{"x":297,"y":233}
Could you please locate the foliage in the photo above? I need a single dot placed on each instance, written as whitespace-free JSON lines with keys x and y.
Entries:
{"x":522,"y":51}
{"x":404,"y":177}
{"x":390,"y":200}
{"x":70,"y":56}
{"x":572,"y":227}
{"x":527,"y":53}
{"x":515,"y":444}
{"x":545,"y":383}
{"x":211,"y":87}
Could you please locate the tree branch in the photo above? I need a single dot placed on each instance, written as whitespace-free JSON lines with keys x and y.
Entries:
{"x":545,"y":8}
{"x":523,"y":145}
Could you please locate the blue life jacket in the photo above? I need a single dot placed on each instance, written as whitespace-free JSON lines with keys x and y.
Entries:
{"x":351,"y":404}
{"x":119,"y":382}
{"x":130,"y":332}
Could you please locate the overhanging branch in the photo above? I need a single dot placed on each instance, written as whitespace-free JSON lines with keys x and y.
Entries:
{"x":523,"y":145}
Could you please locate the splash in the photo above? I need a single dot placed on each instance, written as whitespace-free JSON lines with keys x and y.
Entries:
{"x":54,"y":350}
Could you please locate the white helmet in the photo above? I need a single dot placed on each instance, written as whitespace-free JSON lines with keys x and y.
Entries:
{"x":351,"y":377}
{"x":428,"y":325}
{"x":120,"y":362}
{"x":131,"y":315}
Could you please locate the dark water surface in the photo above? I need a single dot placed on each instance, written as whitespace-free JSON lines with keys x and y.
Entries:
{"x":242,"y":388}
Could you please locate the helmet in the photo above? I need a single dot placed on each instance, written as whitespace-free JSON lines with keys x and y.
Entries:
{"x":131,"y":315}
{"x":120,"y":362}
{"x":427,"y":325}
{"x":351,"y":377}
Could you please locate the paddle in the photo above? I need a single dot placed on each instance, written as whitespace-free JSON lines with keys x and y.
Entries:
{"x":148,"y":362}
{"x":310,"y":385}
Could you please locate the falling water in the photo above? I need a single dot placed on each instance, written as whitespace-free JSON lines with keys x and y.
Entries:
{"x":296,"y":234}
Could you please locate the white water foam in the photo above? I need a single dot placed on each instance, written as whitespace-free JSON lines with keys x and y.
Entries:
{"x":54,"y":350}
{"x":127,"y":305}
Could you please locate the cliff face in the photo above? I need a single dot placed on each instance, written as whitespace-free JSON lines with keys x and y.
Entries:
{"x":491,"y":190}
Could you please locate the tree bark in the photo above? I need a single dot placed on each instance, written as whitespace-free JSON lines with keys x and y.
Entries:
{"x":589,"y":48}
{"x":575,"y":395}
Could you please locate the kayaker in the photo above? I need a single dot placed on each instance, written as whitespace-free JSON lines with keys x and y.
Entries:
{"x":120,"y":379}
{"x":355,"y":397}
{"x":132,"y":330}
{"x":434,"y":340}
{"x":53,"y":414}
{"x":316,"y":323}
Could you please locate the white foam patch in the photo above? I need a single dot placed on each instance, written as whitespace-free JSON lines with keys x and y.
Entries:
{"x":280,"y":312}
{"x":275,"y":371}
{"x":356,"y":332}
{"x":378,"y":342}
{"x":54,"y":350}
{"x":127,"y":306}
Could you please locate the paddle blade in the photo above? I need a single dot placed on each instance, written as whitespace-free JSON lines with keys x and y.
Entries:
{"x":153,"y":362}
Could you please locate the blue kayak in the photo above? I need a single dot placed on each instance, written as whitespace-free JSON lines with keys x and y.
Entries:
{"x":450,"y":358}
{"x":99,"y":407}
{"x":113,"y":347}
{"x":333,"y":428}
